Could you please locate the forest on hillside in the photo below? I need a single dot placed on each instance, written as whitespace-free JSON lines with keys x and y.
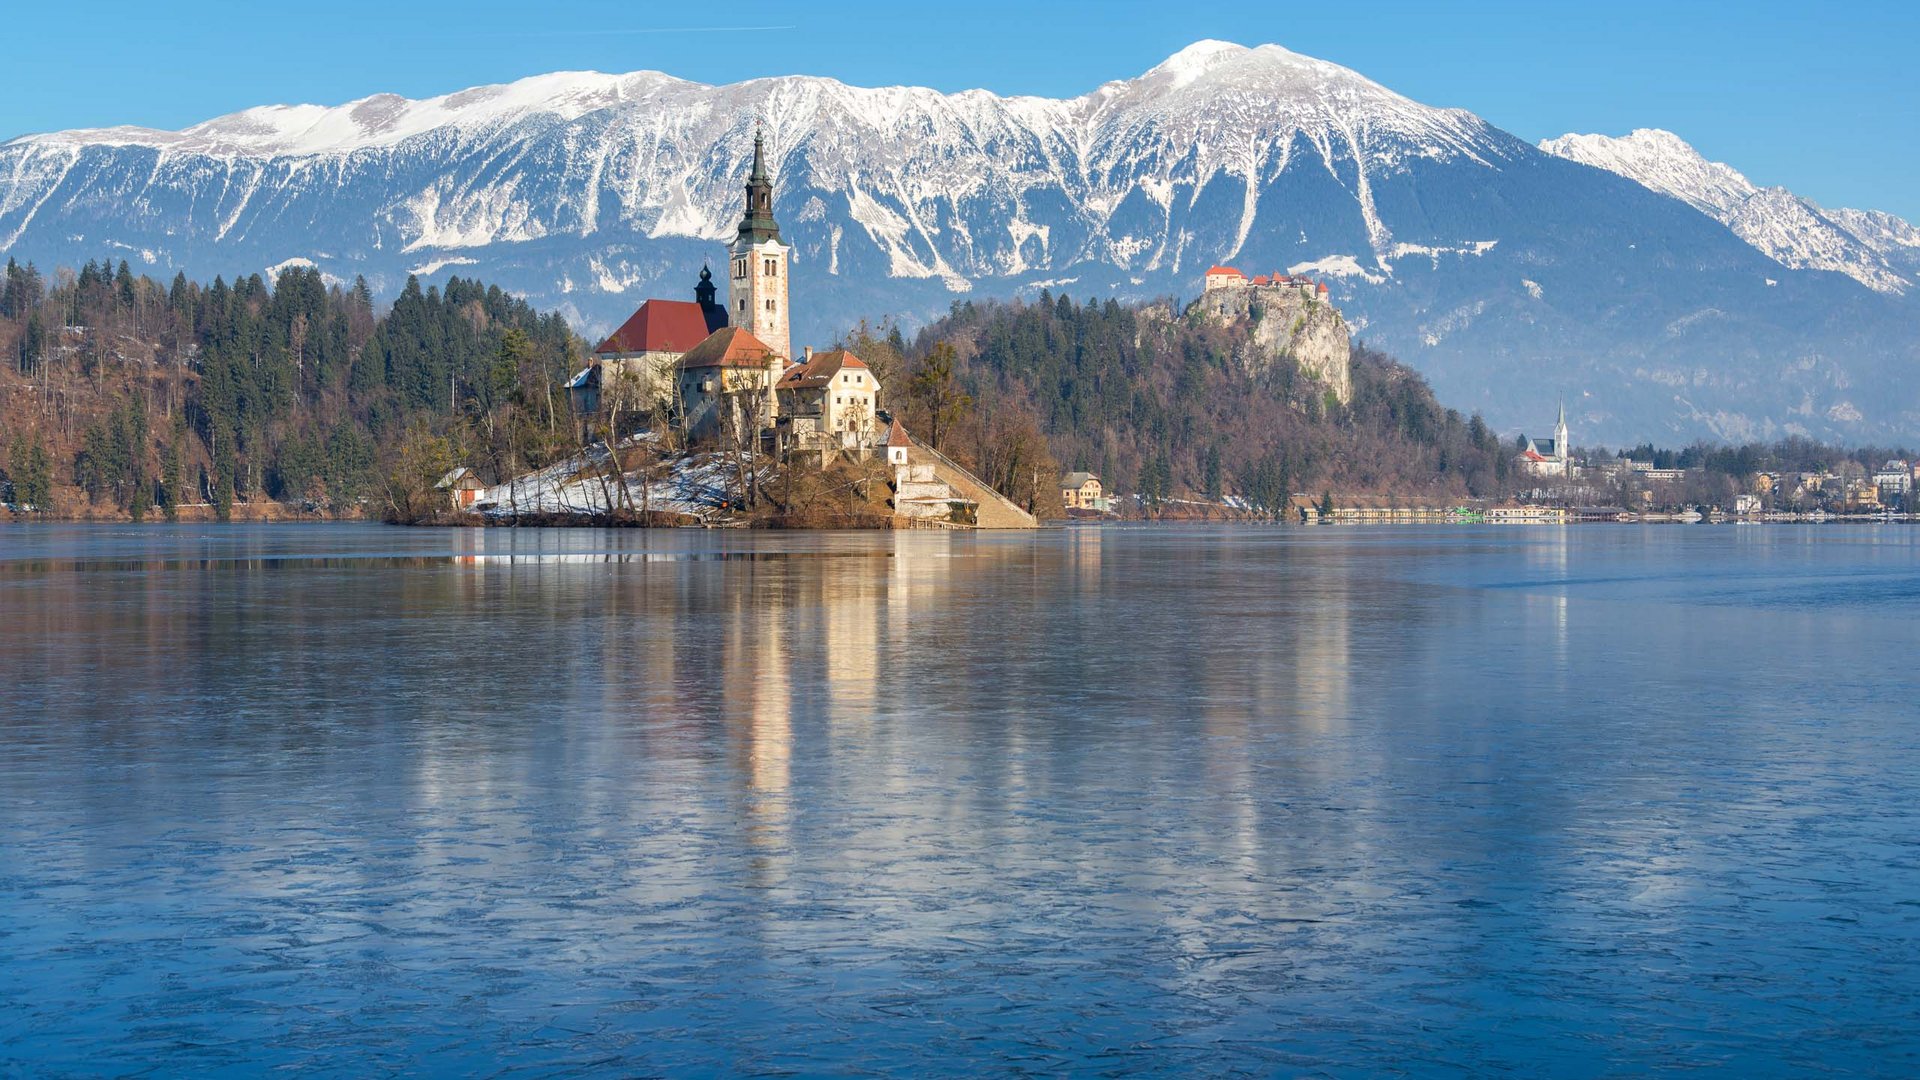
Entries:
{"x":1163,"y":405}
{"x":123,"y":395}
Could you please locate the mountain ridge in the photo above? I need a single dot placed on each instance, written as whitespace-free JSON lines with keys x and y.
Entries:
{"x":1790,"y":229}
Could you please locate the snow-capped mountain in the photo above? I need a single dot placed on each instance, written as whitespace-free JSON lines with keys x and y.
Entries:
{"x":1510,"y":275}
{"x":1878,"y":250}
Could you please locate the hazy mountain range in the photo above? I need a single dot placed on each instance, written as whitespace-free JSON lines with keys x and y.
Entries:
{"x":1663,"y":295}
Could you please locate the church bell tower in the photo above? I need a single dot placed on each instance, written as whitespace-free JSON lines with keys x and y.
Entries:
{"x":757,"y":276}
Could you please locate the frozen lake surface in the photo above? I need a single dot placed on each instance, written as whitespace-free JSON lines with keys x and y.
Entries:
{"x":359,"y":801}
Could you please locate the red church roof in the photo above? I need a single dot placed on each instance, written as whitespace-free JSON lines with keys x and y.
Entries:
{"x":897,"y":435}
{"x":659,"y":326}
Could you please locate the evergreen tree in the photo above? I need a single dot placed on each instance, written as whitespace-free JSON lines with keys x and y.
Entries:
{"x":937,"y":392}
{"x":173,"y":475}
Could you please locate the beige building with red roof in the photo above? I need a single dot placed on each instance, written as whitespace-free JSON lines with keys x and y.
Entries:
{"x":829,"y":400}
{"x":726,"y":386}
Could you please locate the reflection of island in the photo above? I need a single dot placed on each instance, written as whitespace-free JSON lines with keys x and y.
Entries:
{"x":754,"y":665}
{"x":1545,"y":611}
{"x":1322,"y":644}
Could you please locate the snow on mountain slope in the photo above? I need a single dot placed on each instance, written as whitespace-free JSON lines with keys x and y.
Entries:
{"x":1791,"y":230}
{"x":653,"y":153}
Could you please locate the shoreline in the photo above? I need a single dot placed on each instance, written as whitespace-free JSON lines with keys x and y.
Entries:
{"x":877,"y":523}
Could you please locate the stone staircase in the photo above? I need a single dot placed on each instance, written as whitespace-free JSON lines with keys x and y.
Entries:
{"x":993,"y":510}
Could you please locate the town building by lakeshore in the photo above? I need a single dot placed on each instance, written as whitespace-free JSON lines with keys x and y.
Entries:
{"x":462,"y":488}
{"x":1082,"y":491}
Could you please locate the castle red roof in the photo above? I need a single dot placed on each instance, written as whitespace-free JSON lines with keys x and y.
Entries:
{"x":1225,"y":270}
{"x":1323,"y":286}
{"x":658,"y":326}
{"x":1261,"y":280}
{"x":729,"y":346}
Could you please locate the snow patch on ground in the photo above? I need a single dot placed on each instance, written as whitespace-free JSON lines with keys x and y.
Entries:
{"x":1340,"y":266}
{"x":434,"y":266}
{"x":1402,"y":250}
{"x":286,"y":264}
{"x":695,"y":485}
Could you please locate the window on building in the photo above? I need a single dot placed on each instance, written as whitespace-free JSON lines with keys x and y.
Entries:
{"x":769,"y":304}
{"x":772,"y":267}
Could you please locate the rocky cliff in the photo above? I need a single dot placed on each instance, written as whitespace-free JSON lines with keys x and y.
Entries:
{"x":1285,"y":322}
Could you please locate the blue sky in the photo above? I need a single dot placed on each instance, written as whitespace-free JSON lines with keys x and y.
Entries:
{"x":1820,"y":98}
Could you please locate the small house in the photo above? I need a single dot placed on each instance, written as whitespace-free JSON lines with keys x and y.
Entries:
{"x":1082,"y":491}
{"x":462,"y":487}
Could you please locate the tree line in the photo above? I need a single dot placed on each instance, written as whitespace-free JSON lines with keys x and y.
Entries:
{"x":124,"y":394}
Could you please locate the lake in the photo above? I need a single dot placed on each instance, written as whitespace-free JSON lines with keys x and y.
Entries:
{"x":1277,"y":801}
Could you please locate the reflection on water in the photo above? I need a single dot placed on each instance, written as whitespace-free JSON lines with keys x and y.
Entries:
{"x":1570,"y":801}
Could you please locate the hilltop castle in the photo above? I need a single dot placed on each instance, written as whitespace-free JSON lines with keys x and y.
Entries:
{"x":1289,"y":316}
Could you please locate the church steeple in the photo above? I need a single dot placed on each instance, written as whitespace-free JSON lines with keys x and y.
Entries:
{"x":757,"y":224}
{"x":757,"y":281}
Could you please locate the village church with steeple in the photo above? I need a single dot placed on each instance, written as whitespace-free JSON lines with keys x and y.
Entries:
{"x":726,"y":372}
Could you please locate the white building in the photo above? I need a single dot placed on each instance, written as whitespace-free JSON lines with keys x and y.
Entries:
{"x":1894,"y":478}
{"x":829,"y":400}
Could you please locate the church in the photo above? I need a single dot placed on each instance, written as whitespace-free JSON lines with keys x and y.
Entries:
{"x":727,"y":372}
{"x":1549,"y":457}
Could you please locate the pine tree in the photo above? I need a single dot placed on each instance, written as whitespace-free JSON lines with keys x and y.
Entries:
{"x":36,"y":490}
